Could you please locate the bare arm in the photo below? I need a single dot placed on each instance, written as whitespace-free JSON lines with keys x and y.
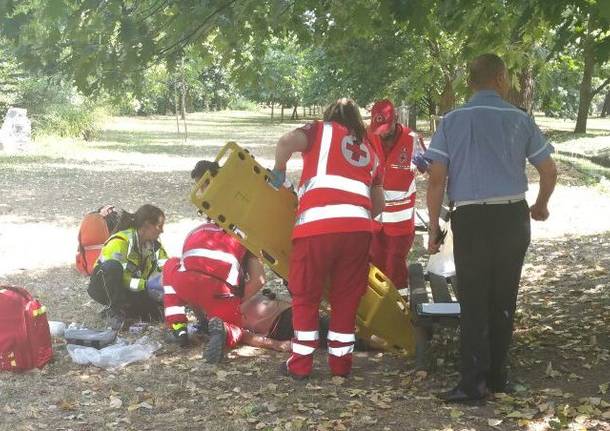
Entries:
{"x":292,"y":142}
{"x":255,"y":277}
{"x":434,"y":199}
{"x":548,"y":178}
{"x":258,"y":340}
{"x":377,"y":200}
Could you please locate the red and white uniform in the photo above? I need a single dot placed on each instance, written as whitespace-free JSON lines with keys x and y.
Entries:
{"x":205,"y":278}
{"x":331,"y":239}
{"x":394,"y":228}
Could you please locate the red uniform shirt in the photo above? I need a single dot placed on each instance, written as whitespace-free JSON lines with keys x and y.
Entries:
{"x":334,"y":191}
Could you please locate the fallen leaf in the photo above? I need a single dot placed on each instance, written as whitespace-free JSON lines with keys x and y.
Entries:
{"x":337,"y":380}
{"x":455,"y":413}
{"x":67,"y":405}
{"x":494,"y":422}
{"x":550,"y":372}
{"x":115,"y":402}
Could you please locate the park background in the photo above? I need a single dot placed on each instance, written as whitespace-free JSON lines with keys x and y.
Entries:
{"x":125,"y":96}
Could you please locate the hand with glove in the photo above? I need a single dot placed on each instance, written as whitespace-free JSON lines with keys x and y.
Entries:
{"x":421,"y":163}
{"x":278,"y":177}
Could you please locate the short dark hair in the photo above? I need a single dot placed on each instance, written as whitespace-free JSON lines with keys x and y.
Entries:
{"x":345,"y":111}
{"x":202,"y":167}
{"x":484,"y":69}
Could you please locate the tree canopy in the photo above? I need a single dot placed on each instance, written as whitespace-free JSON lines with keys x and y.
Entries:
{"x":308,"y":52}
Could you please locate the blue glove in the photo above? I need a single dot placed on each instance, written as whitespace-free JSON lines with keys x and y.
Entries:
{"x":421,"y":163}
{"x":154,"y":287}
{"x":277,"y":178}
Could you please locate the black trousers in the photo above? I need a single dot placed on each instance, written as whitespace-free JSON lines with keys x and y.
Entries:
{"x":489,"y":245}
{"x":106,"y":287}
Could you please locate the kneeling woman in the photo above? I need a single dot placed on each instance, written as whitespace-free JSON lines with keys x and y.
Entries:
{"x":129,"y":258}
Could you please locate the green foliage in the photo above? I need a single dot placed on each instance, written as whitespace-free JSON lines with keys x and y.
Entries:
{"x":242,"y":104}
{"x":558,"y":87}
{"x":69,"y":120}
{"x":56,"y":108}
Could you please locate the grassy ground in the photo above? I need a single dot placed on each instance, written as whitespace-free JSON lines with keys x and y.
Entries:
{"x":561,"y":352}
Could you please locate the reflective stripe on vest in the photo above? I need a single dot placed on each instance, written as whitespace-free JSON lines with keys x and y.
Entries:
{"x":134,"y":284}
{"x":332,"y":211}
{"x":222,"y":256}
{"x":301,"y":349}
{"x":336,"y":182}
{"x":341,"y":337}
{"x":397,"y":216}
{"x":169,"y":290}
{"x":391,"y":196}
{"x":174,"y":311}
{"x":327,"y":136}
{"x":341,"y":351}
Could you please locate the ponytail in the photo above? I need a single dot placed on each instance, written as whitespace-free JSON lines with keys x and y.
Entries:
{"x":345,"y":112}
{"x":127,"y":220}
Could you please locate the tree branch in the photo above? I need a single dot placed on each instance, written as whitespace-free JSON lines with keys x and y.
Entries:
{"x":184,"y":40}
{"x":600,"y":88}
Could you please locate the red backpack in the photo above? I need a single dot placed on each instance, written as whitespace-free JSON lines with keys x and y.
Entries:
{"x":25,"y":340}
{"x":95,"y":229}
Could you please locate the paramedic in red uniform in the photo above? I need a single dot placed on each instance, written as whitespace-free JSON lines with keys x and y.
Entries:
{"x":339,"y":192}
{"x":401,"y":152}
{"x":215,"y":275}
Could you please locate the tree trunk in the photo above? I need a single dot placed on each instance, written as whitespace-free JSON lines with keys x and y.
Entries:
{"x":524,"y":97}
{"x":447,"y":99}
{"x":176,"y":107}
{"x":272,"y":106}
{"x":183,"y":87}
{"x":413,"y":116}
{"x":585,"y":85}
{"x":606,"y":106}
{"x":295,"y":114}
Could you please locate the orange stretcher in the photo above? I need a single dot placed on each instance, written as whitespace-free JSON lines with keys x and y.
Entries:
{"x":240,"y":199}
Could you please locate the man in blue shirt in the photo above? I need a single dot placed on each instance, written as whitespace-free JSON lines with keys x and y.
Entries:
{"x":481,"y":148}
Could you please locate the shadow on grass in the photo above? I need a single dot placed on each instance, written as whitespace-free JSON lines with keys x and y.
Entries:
{"x":25,"y":159}
{"x":186,"y":150}
{"x":559,"y":136}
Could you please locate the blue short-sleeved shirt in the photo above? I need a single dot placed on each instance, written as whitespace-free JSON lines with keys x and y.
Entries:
{"x":485,"y":144}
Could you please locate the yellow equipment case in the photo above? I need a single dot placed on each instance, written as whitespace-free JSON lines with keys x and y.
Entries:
{"x":240,"y":199}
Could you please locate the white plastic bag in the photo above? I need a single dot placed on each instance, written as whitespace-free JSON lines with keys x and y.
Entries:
{"x":442,"y":263}
{"x":57,"y":328}
{"x":116,"y":355}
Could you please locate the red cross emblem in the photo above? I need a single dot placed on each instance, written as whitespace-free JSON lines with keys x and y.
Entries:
{"x":354,"y":153}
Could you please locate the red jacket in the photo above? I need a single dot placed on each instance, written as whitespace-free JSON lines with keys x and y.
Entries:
{"x":334,"y":191}
{"x":208,"y":249}
{"x":397,"y":217}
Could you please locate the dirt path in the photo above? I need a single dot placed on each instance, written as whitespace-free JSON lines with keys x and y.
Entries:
{"x":562,"y":345}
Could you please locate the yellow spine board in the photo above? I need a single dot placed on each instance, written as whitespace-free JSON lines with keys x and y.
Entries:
{"x":240,"y":200}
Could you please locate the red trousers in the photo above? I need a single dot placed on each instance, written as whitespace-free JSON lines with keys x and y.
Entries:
{"x":389,"y":254}
{"x":201,"y":292}
{"x":341,"y":259}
